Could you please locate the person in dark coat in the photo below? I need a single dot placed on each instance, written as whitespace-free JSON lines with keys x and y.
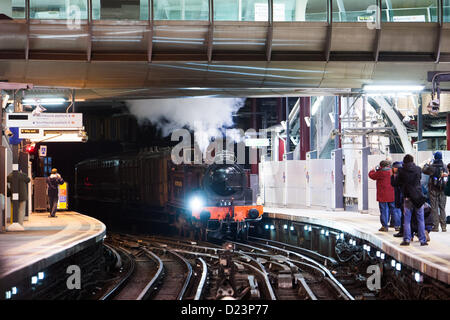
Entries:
{"x":23,"y":192}
{"x":408,"y":178}
{"x":398,"y":202}
{"x":52,"y":189}
{"x":436,"y":193}
{"x":385,"y":193}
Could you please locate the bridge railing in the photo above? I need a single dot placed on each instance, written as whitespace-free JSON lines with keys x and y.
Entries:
{"x":231,"y":10}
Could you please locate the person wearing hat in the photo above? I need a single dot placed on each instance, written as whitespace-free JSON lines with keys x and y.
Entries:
{"x":407,"y":177}
{"x":436,"y":186}
{"x":52,"y":190}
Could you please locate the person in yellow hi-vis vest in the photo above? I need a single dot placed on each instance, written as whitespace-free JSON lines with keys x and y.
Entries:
{"x":52,"y":190}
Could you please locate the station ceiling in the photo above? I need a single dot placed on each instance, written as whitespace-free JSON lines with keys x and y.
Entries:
{"x":137,"y":80}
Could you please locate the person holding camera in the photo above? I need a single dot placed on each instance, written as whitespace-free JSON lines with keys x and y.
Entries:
{"x":385,"y":193}
{"x":52,"y":190}
{"x":408,"y":178}
{"x":436,"y":184}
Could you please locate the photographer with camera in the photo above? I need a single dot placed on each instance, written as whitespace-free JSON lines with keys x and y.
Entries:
{"x":438,"y":179}
{"x":385,"y":193}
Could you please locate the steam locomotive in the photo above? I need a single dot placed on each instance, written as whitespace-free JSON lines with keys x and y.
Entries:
{"x":213,"y":201}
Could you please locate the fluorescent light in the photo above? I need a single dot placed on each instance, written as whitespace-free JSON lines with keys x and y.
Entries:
{"x":14,"y":290}
{"x":292,"y":228}
{"x":393,"y":263}
{"x":285,"y":227}
{"x":398,"y":266}
{"x":266,"y":226}
{"x":382,"y":255}
{"x":393,"y":88}
{"x":8,"y":294}
{"x":34,"y":280}
{"x":43,"y":101}
{"x":342,"y":236}
{"x":378,"y":254}
{"x":316,"y":105}
{"x":306,"y":228}
{"x":272,"y":227}
{"x":41,"y":275}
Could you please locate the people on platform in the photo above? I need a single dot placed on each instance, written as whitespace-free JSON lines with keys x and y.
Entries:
{"x":23,"y":193}
{"x":408,"y":179}
{"x":398,"y":210}
{"x":385,"y":193}
{"x":52,"y":190}
{"x":438,"y":178}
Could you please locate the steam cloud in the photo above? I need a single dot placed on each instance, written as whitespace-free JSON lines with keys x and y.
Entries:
{"x":207,"y":117}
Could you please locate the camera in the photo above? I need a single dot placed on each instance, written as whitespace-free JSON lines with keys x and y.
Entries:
{"x":433,"y":107}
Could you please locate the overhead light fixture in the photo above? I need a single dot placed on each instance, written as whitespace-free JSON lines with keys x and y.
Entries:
{"x":392,"y":88}
{"x":43,"y":101}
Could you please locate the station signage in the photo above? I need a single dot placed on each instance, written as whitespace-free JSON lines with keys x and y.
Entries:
{"x":53,"y":134}
{"x":257,"y":142}
{"x":44,"y":120}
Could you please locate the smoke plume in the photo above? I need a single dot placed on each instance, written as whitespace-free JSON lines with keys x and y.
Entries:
{"x":207,"y":117}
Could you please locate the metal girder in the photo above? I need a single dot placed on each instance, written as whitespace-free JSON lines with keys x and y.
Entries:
{"x":329,"y":30}
{"x":210,"y":39}
{"x":269,"y":39}
{"x":150,"y":32}
{"x":439,"y":32}
{"x":376,"y":52}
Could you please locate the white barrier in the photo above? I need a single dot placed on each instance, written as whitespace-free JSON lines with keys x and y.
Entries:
{"x":296,"y":183}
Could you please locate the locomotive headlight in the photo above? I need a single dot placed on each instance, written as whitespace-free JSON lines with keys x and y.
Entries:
{"x":196,"y":203}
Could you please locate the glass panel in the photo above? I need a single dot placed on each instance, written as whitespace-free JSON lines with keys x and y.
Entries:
{"x":446,"y":10}
{"x":299,"y":10}
{"x":409,"y":11}
{"x":14,"y":9}
{"x":58,"y":9}
{"x":181,"y":9}
{"x":354,"y":10}
{"x":120,"y":10}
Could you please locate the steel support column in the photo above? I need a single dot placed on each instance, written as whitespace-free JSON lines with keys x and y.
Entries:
{"x":305,"y":111}
{"x":254,"y":166}
{"x":448,"y":131}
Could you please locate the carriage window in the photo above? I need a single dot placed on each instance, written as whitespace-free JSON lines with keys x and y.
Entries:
{"x":293,"y":10}
{"x":181,"y":9}
{"x":58,"y":9}
{"x":120,"y":9}
{"x":409,"y":11}
{"x":12,"y":9}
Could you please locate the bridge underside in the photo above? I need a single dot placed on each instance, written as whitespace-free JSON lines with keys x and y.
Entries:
{"x":135,"y":59}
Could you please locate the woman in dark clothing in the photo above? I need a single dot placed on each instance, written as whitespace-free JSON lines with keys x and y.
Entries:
{"x":408,"y":179}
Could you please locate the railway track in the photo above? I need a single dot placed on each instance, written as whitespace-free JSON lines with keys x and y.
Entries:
{"x":175,"y":269}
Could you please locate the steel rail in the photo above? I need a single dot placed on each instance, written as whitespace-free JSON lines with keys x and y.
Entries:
{"x":263,"y":272}
{"x":344,"y":293}
{"x":156,"y":277}
{"x":306,"y":252}
{"x":116,"y":254}
{"x":122,"y":281}
{"x":188,"y":277}
{"x":308,"y":290}
{"x":202,"y":282}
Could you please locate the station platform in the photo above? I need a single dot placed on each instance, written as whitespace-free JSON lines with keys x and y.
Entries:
{"x":45,"y":242}
{"x":432,"y":260}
